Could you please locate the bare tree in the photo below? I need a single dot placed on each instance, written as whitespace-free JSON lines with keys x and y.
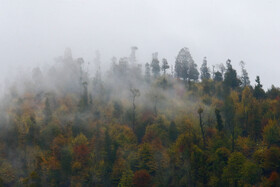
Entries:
{"x":135,"y":93}
{"x":200,"y":111}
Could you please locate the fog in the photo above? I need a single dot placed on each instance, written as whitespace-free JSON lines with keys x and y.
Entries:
{"x":34,"y":32}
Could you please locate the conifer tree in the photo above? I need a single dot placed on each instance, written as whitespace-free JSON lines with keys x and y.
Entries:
{"x":231,"y":80}
{"x":245,"y":81}
{"x":219,"y":120}
{"x":147,"y":72}
{"x":164,"y":66}
{"x":259,"y":93}
{"x":204,"y":70}
{"x":155,"y":65}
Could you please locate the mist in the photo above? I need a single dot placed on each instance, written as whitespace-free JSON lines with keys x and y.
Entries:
{"x":33,"y":33}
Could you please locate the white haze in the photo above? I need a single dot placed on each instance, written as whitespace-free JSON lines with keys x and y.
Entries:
{"x":34,"y":32}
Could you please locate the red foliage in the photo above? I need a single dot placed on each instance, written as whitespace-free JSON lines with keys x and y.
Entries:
{"x":181,"y":148}
{"x":148,"y":116}
{"x":81,"y":152}
{"x":211,"y":132}
{"x":142,"y":179}
{"x":274,"y":176}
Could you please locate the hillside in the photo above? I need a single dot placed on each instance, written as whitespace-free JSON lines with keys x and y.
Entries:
{"x":134,"y":125}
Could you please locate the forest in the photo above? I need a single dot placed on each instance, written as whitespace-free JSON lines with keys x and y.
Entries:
{"x":162,"y":124}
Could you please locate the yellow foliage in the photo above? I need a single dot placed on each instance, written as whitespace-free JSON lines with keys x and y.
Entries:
{"x":77,"y":165}
{"x":80,"y":139}
{"x":7,"y":172}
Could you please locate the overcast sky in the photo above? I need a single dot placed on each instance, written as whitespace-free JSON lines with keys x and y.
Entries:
{"x":33,"y":32}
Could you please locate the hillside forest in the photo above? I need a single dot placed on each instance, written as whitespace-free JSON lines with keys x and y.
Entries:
{"x":158,"y":124}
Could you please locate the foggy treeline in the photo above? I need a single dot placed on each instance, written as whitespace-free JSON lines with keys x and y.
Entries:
{"x":158,"y":123}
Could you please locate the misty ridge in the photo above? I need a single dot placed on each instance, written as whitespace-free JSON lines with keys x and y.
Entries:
{"x":160,"y":84}
{"x":68,"y":74}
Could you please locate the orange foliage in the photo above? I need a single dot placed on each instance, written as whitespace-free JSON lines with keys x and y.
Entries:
{"x":57,"y":144}
{"x":51,"y":163}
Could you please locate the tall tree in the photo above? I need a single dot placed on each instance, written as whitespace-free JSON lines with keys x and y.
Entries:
{"x":84,"y":98}
{"x":182,"y":63}
{"x":219,"y":120}
{"x":259,"y":93}
{"x":232,"y":172}
{"x":218,"y":76}
{"x":155,"y":105}
{"x":164,"y":66}
{"x":200,"y":111}
{"x":179,"y":64}
{"x":193,"y":72}
{"x":229,"y":112}
{"x":146,"y":158}
{"x":155,"y":65}
{"x":173,"y":131}
{"x":245,"y":81}
{"x":231,"y":80}
{"x":147,"y":72}
{"x":135,"y":93}
{"x":222,"y":68}
{"x":126,"y":179}
{"x":204,"y":70}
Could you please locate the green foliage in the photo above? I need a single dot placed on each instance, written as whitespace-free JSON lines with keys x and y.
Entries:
{"x":232,"y":173}
{"x":66,"y":160}
{"x":127,"y":179}
{"x":147,"y":72}
{"x":245,"y":81}
{"x":219,"y":120}
{"x":155,"y":65}
{"x":204,"y":70}
{"x":193,"y":72}
{"x":259,"y":93}
{"x":231,"y":80}
{"x":229,"y":112}
{"x":48,"y":134}
{"x":272,"y":159}
{"x":220,"y":160}
{"x":198,"y":165}
{"x":273,"y":92}
{"x":251,"y":173}
{"x":146,"y":158}
{"x":271,"y":133}
{"x":173,"y":131}
{"x":118,"y":110}
{"x":164,"y":66}
{"x":218,"y":76}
